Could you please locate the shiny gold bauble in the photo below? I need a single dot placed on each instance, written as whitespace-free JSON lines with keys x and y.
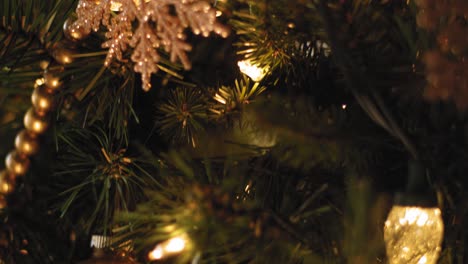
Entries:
{"x":17,"y":163}
{"x":51,"y":81}
{"x":35,"y":123}
{"x":62,"y":55}
{"x":73,"y":32}
{"x":3,"y":201}
{"x":7,"y":181}
{"x":26,"y":143}
{"x":6,"y":174}
{"x":42,"y":99}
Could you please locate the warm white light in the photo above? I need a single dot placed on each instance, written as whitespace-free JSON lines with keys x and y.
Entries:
{"x":168,"y":248}
{"x":39,"y":82}
{"x":176,"y":244}
{"x":253,"y":71}
{"x":413,"y":235}
{"x":156,"y":253}
{"x":422,"y":260}
{"x":343,"y":106}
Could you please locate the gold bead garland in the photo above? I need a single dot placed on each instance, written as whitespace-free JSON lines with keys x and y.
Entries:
{"x":27,"y":143}
{"x":73,"y":33}
{"x":42,"y":100}
{"x":17,"y":163}
{"x":36,"y":122}
{"x":6,"y":182}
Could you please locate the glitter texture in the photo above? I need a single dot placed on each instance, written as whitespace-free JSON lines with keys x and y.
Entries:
{"x":160,"y":24}
{"x":413,"y":235}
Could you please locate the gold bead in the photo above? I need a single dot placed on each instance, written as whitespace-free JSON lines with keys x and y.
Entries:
{"x":62,"y":55}
{"x":42,"y":100}
{"x":35,"y":123}
{"x":52,"y":82}
{"x":17,"y":163}
{"x":26,"y":143}
{"x":3,"y":202}
{"x":7,"y":181}
{"x":73,"y":32}
{"x":6,"y":174}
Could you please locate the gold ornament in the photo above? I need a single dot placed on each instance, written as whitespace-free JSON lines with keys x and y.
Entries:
{"x":42,"y":100}
{"x":3,"y":202}
{"x":35,"y":123}
{"x":62,"y":55}
{"x":26,"y":143}
{"x":73,"y":33}
{"x":6,"y":182}
{"x":17,"y":163}
{"x":52,"y":82}
{"x":161,"y":24}
{"x":5,"y":174}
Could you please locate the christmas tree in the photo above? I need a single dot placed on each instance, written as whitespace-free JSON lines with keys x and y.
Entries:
{"x":233,"y":131}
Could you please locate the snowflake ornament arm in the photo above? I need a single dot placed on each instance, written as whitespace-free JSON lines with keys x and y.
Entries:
{"x":119,"y":32}
{"x":160,"y":24}
{"x":91,"y":14}
{"x":144,"y":55}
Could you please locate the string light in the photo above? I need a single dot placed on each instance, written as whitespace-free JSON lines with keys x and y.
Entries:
{"x":175,"y":245}
{"x":156,"y":253}
{"x":39,"y":82}
{"x":414,"y":228}
{"x":413,"y":235}
{"x":253,"y":71}
{"x":168,"y":248}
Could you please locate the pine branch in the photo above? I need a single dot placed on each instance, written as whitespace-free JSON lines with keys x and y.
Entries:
{"x":94,"y":168}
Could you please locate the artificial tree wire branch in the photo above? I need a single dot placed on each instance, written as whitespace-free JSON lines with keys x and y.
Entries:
{"x":354,"y":79}
{"x":372,"y":111}
{"x":397,"y":130}
{"x":285,"y":225}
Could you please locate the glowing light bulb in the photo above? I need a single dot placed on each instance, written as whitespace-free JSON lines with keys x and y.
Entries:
{"x":175,"y":245}
{"x":39,"y":82}
{"x":168,"y":248}
{"x":253,"y":71}
{"x":156,"y":253}
{"x":413,"y":235}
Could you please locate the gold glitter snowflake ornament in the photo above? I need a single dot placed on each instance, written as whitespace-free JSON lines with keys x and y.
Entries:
{"x":160,"y":24}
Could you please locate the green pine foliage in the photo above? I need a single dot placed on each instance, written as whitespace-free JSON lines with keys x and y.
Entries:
{"x":299,"y":167}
